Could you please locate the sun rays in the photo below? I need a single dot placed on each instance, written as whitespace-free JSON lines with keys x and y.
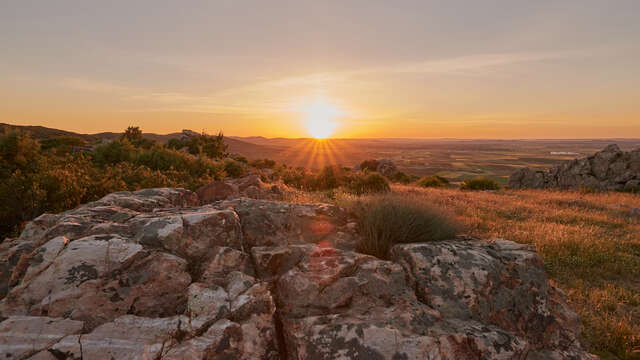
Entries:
{"x":315,"y":154}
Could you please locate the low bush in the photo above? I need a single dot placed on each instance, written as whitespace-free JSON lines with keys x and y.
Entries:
{"x":234,"y":169}
{"x":48,"y":176}
{"x":386,"y":220}
{"x":403,"y":178}
{"x":433,"y":181}
{"x":370,"y":183}
{"x":114,"y":152}
{"x":480,"y":183}
{"x":263,"y":164}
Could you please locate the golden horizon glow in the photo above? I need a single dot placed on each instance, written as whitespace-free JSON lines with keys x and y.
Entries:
{"x":308,"y":69}
{"x":320,"y":118}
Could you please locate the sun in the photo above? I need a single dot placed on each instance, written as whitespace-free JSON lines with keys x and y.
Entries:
{"x":320,"y":118}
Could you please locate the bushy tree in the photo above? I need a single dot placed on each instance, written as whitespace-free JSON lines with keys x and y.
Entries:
{"x":214,"y":146}
{"x":133,"y":133}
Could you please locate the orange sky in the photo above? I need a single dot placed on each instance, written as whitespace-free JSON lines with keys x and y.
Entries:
{"x":499,"y":69}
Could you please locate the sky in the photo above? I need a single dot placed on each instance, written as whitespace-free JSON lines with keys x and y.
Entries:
{"x":402,"y":69}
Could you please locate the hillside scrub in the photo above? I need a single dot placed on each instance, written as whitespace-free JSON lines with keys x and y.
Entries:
{"x":480,"y":183}
{"x":386,"y":220}
{"x":331,"y":178}
{"x":51,"y":177}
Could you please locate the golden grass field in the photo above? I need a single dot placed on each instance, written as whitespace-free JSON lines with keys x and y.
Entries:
{"x":589,"y":242}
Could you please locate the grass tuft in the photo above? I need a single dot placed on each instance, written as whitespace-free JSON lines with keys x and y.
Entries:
{"x":386,"y":220}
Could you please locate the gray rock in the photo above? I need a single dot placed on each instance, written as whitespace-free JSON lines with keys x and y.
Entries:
{"x":609,"y":169}
{"x":387,"y":168}
{"x":23,"y":336}
{"x":154,"y":274}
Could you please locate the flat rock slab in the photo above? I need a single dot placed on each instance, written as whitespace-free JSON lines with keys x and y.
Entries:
{"x":23,"y":336}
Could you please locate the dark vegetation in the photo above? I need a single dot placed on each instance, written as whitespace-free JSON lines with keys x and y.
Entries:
{"x":57,"y":174}
{"x":433,"y":181}
{"x":330,"y":178}
{"x":480,"y":183}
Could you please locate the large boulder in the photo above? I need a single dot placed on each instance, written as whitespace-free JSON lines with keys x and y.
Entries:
{"x":609,"y":169}
{"x":156,"y":275}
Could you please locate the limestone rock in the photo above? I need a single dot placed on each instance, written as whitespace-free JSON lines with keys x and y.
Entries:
{"x":154,"y":274}
{"x":215,"y":191}
{"x":609,"y":169}
{"x":249,"y":186}
{"x":23,"y":336}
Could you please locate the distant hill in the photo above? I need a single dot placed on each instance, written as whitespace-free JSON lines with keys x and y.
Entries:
{"x":41,"y":132}
{"x":248,"y":149}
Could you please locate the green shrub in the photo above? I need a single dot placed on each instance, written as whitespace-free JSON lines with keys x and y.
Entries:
{"x":263,"y":164}
{"x":403,"y":178}
{"x":386,"y":220}
{"x":62,"y":144}
{"x":234,"y":169}
{"x":433,"y":181}
{"x":370,"y":183}
{"x":480,"y":183}
{"x":114,"y":152}
{"x":18,"y":151}
{"x":176,"y":144}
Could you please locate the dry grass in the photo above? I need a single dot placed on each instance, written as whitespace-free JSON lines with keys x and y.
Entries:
{"x":589,"y":243}
{"x":389,"y":219}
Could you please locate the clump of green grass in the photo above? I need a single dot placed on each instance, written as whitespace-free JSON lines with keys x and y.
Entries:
{"x":480,"y":183}
{"x":386,"y":220}
{"x":433,"y":181}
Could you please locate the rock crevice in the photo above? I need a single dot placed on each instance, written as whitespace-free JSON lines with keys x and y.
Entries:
{"x":158,"y":274}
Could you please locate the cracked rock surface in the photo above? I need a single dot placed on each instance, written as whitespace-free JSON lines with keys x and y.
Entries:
{"x":156,"y":274}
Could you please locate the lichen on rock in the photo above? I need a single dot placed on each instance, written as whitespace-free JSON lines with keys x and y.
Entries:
{"x":159,"y":274}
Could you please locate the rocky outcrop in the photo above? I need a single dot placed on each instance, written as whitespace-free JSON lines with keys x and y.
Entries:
{"x":155,"y":274}
{"x":387,"y":168}
{"x":609,"y":169}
